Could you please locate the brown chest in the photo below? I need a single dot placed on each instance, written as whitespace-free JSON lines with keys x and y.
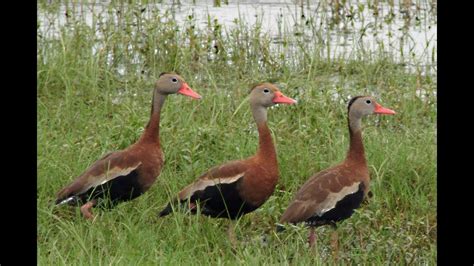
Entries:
{"x":258,"y":184}
{"x":152,"y":162}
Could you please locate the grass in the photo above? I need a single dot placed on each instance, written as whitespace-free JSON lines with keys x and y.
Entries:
{"x":94,"y":96}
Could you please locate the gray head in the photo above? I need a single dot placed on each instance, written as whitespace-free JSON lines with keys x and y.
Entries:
{"x":267,"y":95}
{"x":360,"y":106}
{"x":171,"y":83}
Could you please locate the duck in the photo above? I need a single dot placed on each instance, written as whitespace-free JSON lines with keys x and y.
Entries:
{"x":238,"y":187}
{"x":333,"y":194}
{"x":124,"y":175}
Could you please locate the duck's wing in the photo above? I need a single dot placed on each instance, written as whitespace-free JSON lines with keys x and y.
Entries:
{"x":109,"y":167}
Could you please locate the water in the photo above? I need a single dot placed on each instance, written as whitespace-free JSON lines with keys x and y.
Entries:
{"x":405,"y":32}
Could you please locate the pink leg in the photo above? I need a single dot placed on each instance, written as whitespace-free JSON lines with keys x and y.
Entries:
{"x":335,"y":244}
{"x":311,"y":237}
{"x":231,"y":234}
{"x":86,"y":209}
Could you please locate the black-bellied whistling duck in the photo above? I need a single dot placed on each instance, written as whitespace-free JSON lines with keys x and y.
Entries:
{"x":124,"y":175}
{"x":333,"y":194}
{"x":238,"y":187}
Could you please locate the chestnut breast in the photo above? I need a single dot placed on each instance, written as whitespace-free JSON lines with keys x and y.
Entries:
{"x":259,"y":181}
{"x":152,"y":159}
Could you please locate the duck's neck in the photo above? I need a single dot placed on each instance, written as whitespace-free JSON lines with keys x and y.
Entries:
{"x":356,"y":147}
{"x":266,"y":149}
{"x":152,"y":129}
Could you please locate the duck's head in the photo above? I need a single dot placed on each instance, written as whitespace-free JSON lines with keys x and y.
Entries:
{"x":360,"y":106}
{"x":171,"y":83}
{"x":267,"y":95}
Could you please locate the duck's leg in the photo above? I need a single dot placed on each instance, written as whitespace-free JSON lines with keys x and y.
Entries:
{"x":86,"y":209}
{"x":335,"y":244}
{"x":367,"y":198}
{"x":231,"y":234}
{"x":311,"y":237}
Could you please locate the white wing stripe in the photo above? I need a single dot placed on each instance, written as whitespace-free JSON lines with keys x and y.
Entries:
{"x":109,"y":175}
{"x":204,"y":183}
{"x":66,"y":200}
{"x":333,"y":198}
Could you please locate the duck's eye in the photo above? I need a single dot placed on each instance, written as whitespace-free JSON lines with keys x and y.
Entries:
{"x":368,"y":102}
{"x":174,"y":80}
{"x":266,"y":91}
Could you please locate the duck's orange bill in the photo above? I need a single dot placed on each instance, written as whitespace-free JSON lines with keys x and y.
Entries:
{"x":379,"y":109}
{"x":280,"y":98}
{"x":186,"y":90}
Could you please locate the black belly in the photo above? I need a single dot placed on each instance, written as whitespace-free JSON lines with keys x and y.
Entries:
{"x":343,"y":209}
{"x":222,"y":201}
{"x":119,"y":189}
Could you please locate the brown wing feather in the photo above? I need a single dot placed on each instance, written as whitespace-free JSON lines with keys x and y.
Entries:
{"x":225,"y":173}
{"x":317,"y":193}
{"x":105,"y":169}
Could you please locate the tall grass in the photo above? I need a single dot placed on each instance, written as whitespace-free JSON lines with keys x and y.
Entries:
{"x":94,"y":94}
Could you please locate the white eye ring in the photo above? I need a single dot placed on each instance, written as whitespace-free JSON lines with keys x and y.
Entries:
{"x":368,"y":102}
{"x":174,"y":80}
{"x":266,"y":91}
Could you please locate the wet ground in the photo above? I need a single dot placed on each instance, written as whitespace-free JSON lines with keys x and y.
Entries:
{"x":404,"y":29}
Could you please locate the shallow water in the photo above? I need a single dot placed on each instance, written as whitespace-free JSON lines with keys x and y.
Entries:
{"x":407,"y":33}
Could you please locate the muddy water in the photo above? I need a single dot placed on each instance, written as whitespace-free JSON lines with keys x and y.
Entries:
{"x":406,"y":32}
